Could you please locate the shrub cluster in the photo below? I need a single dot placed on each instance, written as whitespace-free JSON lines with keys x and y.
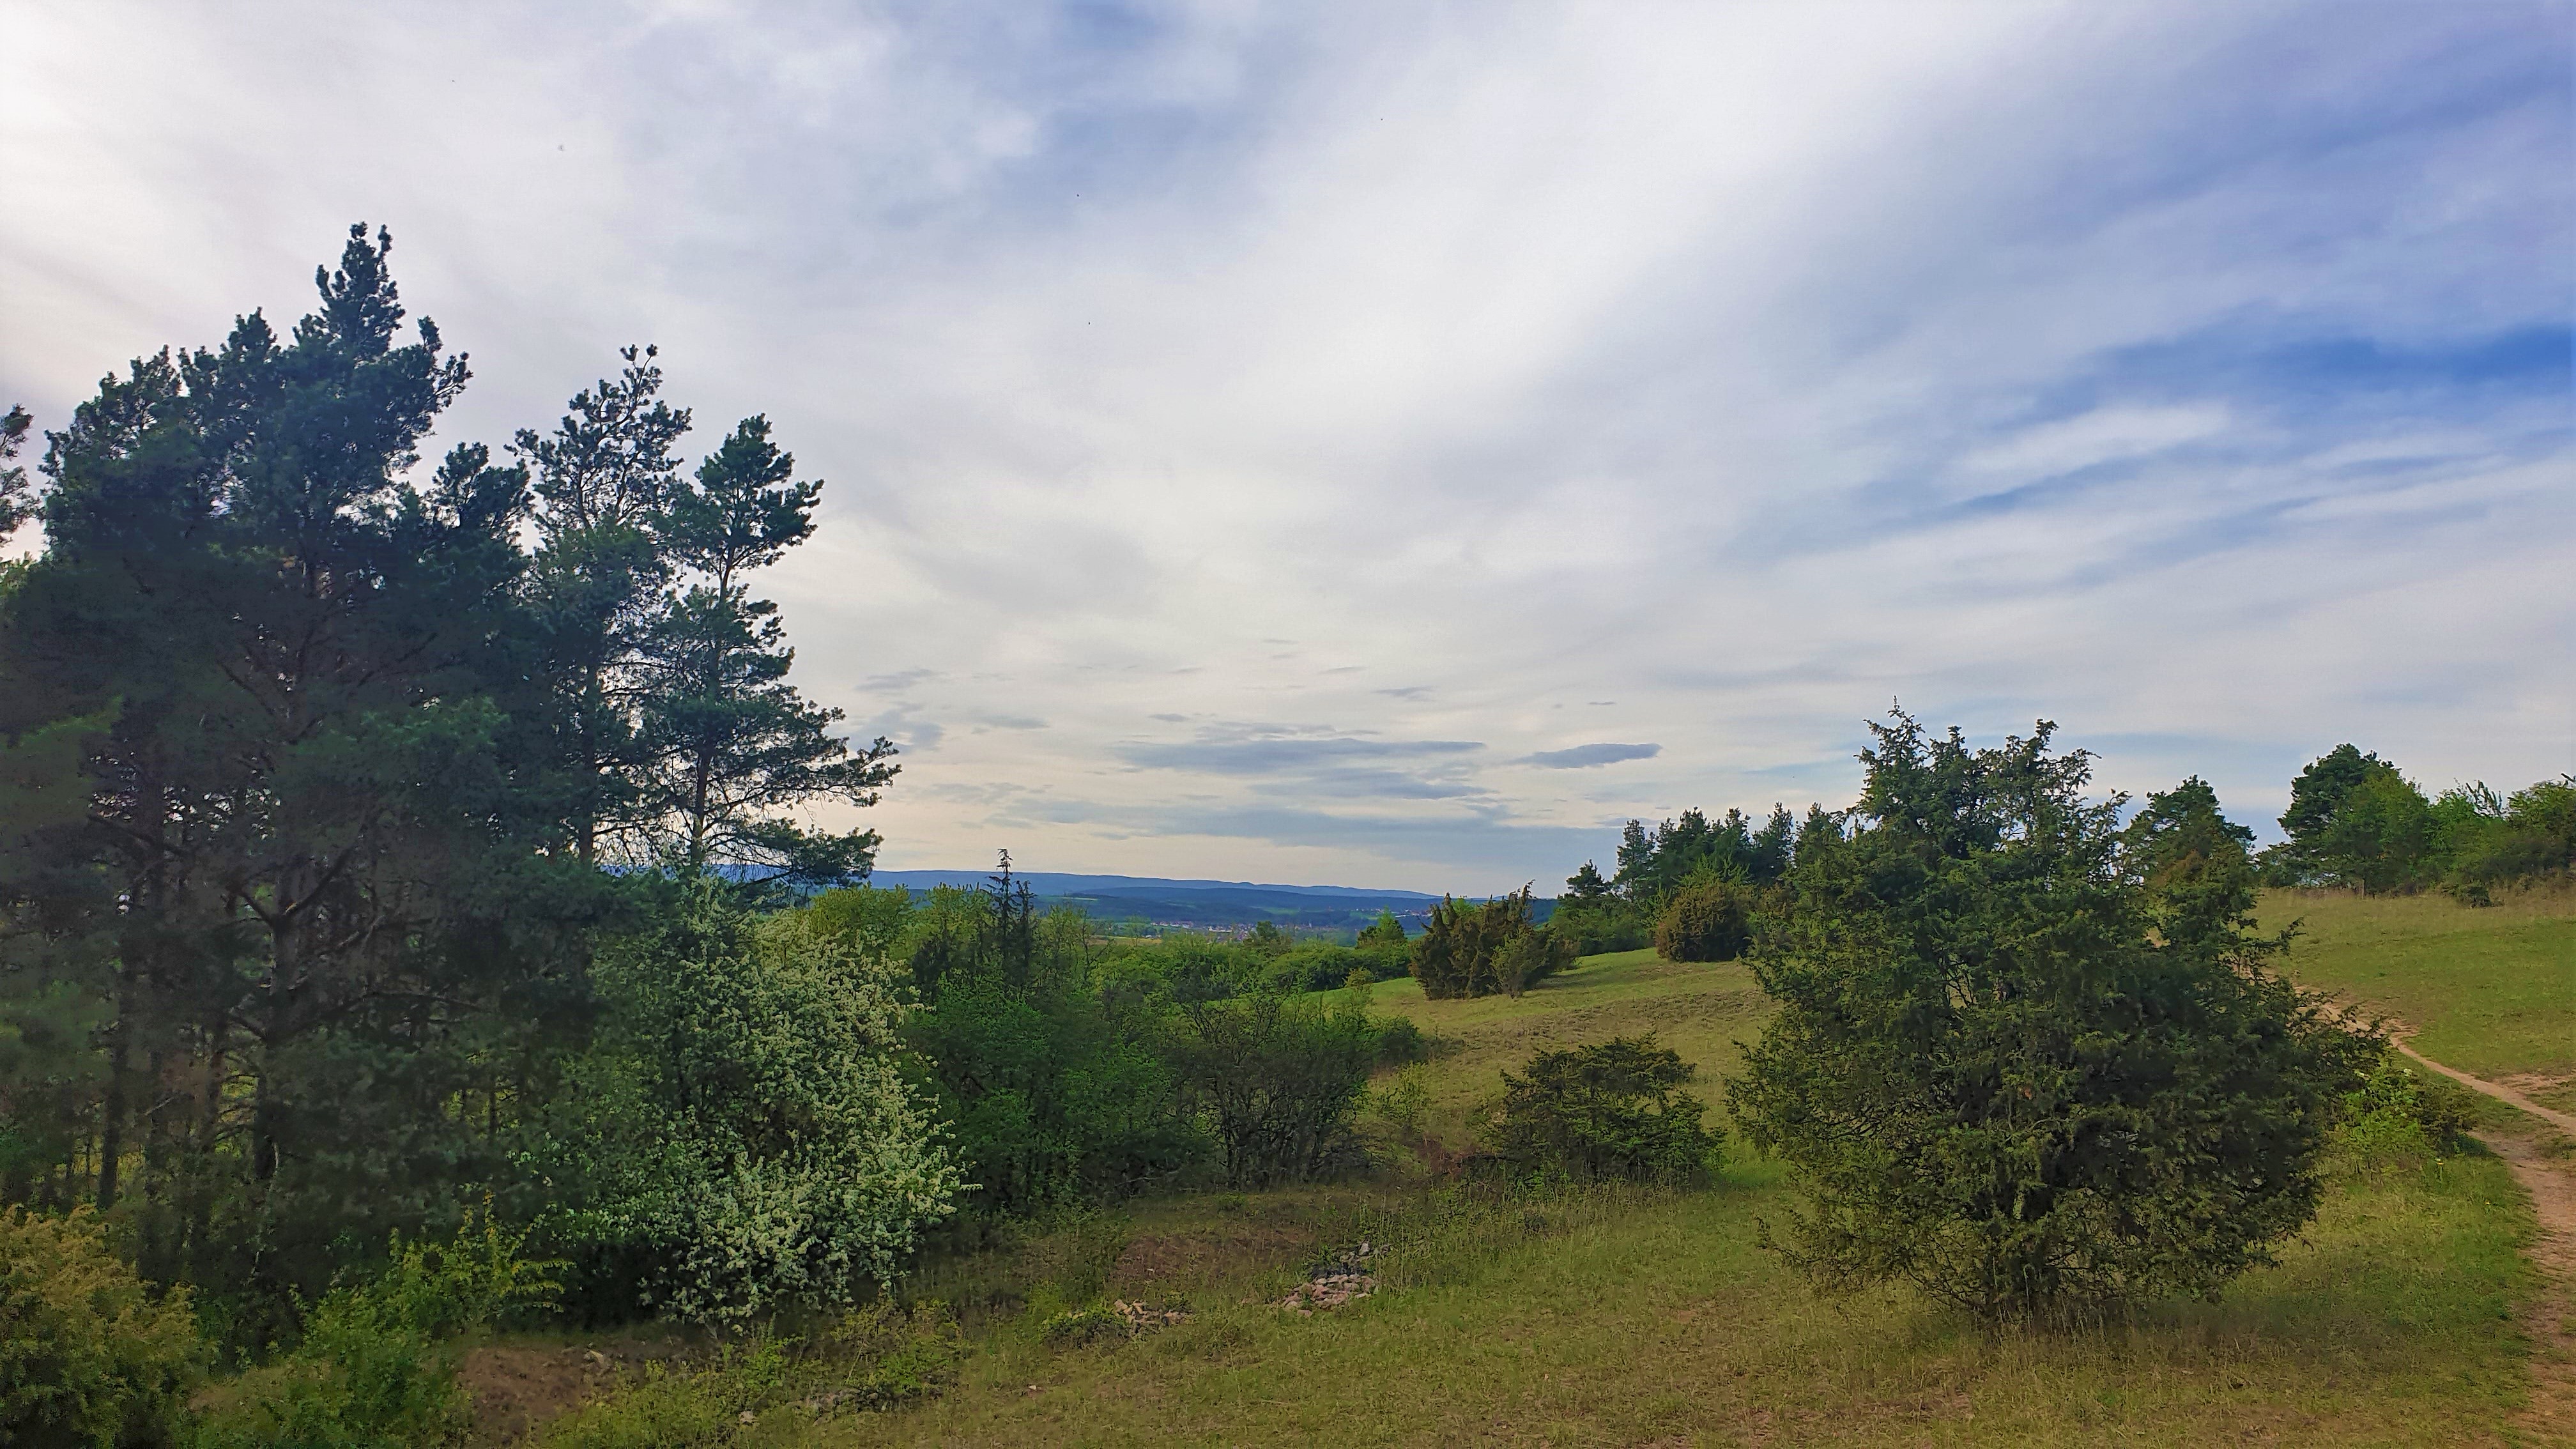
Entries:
{"x":1710,"y":921}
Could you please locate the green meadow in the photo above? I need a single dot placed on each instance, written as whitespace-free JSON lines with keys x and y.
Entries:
{"x":1631,"y":1315}
{"x":2489,"y":990}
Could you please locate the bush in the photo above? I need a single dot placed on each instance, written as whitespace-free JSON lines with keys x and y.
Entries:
{"x":2399,"y":1111}
{"x":1712,"y":921}
{"x":88,"y":1356}
{"x":1604,"y":924}
{"x":1471,"y":949}
{"x":879,"y":1357}
{"x":1277,"y":1081}
{"x":743,"y":1137}
{"x":1994,"y":1077}
{"x":1611,"y":1110}
{"x":377,"y":1366}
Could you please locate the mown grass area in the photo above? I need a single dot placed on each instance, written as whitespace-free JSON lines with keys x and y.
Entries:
{"x":2490,"y":990}
{"x":1635,"y":1316}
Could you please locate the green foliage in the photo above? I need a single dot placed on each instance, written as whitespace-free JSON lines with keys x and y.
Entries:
{"x":1709,"y":921}
{"x":878,"y":1357}
{"x":1486,"y":949}
{"x":2400,"y":1110}
{"x":1596,"y":925}
{"x":377,"y":1365}
{"x":1993,"y":1076}
{"x":2355,"y":821}
{"x":311,"y":750}
{"x":89,"y":1356}
{"x":1384,"y":933}
{"x":742,"y":1137}
{"x":1047,"y":1063}
{"x":1401,"y":1103}
{"x":1276,"y":1081}
{"x":1614,"y":1109}
{"x":1656,"y":863}
{"x":685,"y":1408}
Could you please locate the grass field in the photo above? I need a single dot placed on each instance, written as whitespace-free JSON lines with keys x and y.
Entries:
{"x":2491,"y":990}
{"x":1651,"y":1317}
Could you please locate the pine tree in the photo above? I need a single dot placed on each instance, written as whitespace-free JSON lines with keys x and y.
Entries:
{"x":729,"y":743}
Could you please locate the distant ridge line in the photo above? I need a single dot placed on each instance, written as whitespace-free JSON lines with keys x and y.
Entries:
{"x":1046,"y":882}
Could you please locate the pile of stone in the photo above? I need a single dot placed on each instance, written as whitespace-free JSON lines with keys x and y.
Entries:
{"x":1343,"y":1279}
{"x":1141,"y":1319}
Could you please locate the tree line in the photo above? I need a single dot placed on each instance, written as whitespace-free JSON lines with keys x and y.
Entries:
{"x":386,"y":836}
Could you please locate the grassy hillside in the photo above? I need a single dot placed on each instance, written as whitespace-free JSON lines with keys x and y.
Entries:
{"x":2489,"y":990}
{"x":1637,"y":1316}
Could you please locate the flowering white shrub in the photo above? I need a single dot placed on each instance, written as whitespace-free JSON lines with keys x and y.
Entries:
{"x":745,"y":1122}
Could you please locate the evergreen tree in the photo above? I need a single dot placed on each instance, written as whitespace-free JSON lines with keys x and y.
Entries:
{"x":298,"y":790}
{"x":1586,"y":885}
{"x":604,"y":482}
{"x":732,"y":742}
{"x":1991,"y":1073}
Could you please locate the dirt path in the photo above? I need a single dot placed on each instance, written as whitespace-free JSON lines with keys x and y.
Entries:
{"x":2506,"y":1095}
{"x":2550,"y":1321}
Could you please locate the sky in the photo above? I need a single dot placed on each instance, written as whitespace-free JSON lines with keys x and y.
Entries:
{"x":1393,"y":444}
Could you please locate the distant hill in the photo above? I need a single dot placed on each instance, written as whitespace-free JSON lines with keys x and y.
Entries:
{"x":1210,"y":904}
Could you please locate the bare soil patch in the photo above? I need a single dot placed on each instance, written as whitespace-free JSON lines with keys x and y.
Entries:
{"x":518,"y":1389}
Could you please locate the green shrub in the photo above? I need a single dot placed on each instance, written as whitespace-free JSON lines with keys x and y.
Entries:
{"x":2400,"y":1110}
{"x":377,"y":1365}
{"x":88,"y":1356}
{"x":742,"y":1137}
{"x":1594,"y":926}
{"x":1712,"y":921}
{"x":1277,"y":1081}
{"x":1486,"y":949}
{"x":1611,"y":1110}
{"x":1995,"y":1077}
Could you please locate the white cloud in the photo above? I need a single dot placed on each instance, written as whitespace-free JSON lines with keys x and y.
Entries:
{"x":1745,"y":366}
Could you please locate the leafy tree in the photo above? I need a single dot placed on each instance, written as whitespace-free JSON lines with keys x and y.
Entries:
{"x":1819,"y":832}
{"x":1385,"y":944}
{"x":1585,"y":885}
{"x":2320,"y":789}
{"x":16,"y":507}
{"x":1993,"y":1077}
{"x":1614,"y":1109}
{"x":305,"y":810}
{"x":2380,"y":837}
{"x":1055,"y":1089}
{"x":2194,"y":862}
{"x":604,"y":482}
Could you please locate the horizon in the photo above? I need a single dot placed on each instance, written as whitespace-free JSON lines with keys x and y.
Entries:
{"x":1351,"y":445}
